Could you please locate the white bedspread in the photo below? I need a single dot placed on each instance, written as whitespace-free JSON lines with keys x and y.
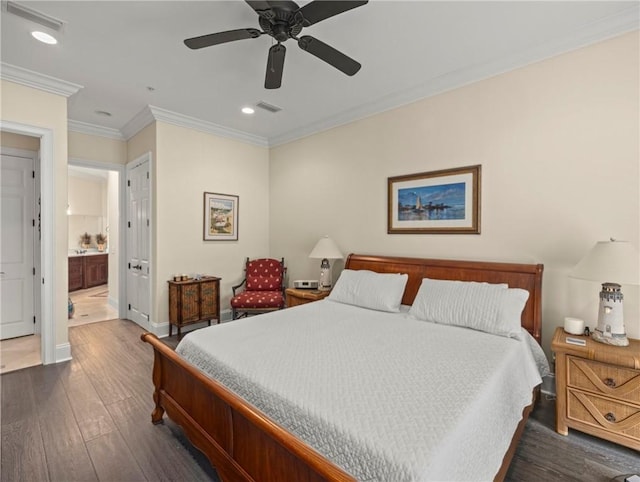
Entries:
{"x":382,"y":395}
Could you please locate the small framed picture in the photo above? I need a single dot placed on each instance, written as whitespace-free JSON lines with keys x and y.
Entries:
{"x":437,"y":202}
{"x":220,"y":217}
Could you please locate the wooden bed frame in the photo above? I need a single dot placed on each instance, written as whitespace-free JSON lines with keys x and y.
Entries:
{"x":243,"y":444}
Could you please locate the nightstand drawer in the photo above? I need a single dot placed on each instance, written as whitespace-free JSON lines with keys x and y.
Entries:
{"x":617,"y":382}
{"x":604,"y":413}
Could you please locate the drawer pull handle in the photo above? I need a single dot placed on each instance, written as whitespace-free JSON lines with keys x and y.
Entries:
{"x":610,"y":417}
{"x":610,"y":382}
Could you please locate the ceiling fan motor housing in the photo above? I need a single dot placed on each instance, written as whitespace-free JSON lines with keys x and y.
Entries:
{"x":282,"y":26}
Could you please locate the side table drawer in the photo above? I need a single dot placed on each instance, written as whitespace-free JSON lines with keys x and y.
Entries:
{"x":617,"y":382}
{"x":604,"y":413}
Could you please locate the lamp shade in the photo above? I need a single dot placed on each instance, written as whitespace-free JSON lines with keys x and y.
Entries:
{"x":326,"y":248}
{"x":610,"y":261}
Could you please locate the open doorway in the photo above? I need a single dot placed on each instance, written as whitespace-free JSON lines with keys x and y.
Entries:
{"x":93,"y":242}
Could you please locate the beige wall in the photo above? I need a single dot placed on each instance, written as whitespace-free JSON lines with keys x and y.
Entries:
{"x":17,"y":141}
{"x":189,"y":163}
{"x":34,"y":107}
{"x":559,"y":146}
{"x":88,"y":204}
{"x":143,"y":142}
{"x":97,"y":148}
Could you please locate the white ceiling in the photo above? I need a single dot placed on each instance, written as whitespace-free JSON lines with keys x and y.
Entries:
{"x":408,"y":50}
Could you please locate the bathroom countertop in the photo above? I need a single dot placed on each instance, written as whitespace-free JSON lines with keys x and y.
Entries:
{"x":89,"y":252}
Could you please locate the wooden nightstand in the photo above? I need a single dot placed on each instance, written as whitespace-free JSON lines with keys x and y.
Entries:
{"x":300,"y":297}
{"x":598,"y":389}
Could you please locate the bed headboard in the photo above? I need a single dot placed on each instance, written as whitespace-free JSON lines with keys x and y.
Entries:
{"x":525,"y":276}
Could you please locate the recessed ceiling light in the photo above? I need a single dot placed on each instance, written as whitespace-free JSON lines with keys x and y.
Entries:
{"x":103,"y":113}
{"x":44,"y":37}
{"x":248,"y":110}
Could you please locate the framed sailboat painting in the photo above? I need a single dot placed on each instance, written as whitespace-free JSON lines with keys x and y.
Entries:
{"x":437,"y":202}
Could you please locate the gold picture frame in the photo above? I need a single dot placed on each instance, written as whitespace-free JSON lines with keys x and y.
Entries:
{"x":436,"y":202}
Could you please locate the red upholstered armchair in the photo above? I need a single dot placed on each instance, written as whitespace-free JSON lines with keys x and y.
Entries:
{"x":264,"y":288}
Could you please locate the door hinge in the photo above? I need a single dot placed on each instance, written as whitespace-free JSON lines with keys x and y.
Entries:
{"x":33,"y":223}
{"x":129,"y":306}
{"x":34,"y":271}
{"x":147,"y":223}
{"x":42,"y":280}
{"x":128,"y":224}
{"x":147,"y":174}
{"x":34,"y":320}
{"x":128,"y":183}
{"x":33,"y":175}
{"x":129,"y":265}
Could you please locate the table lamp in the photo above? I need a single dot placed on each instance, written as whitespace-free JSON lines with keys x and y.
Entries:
{"x":611,"y":263}
{"x":325,"y":249}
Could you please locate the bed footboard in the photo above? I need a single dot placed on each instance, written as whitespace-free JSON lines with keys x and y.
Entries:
{"x":239,"y":441}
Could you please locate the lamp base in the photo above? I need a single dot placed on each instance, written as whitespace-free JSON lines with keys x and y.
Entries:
{"x":325,"y":276}
{"x":616,"y":340}
{"x":610,"y":329}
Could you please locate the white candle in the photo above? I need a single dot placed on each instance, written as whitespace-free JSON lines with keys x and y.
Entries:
{"x":574,"y":326}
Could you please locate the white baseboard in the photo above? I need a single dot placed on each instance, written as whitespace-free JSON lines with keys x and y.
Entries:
{"x":114,"y":303}
{"x":161,"y":330}
{"x":63,"y":352}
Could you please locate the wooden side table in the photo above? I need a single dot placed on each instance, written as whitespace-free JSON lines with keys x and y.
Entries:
{"x":598,"y":388}
{"x":297,"y":297}
{"x":193,"y":301}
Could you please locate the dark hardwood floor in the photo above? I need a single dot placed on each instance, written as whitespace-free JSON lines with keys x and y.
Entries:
{"x":89,"y":419}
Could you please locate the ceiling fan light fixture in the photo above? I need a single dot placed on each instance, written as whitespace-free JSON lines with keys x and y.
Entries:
{"x":248,"y":110}
{"x":44,"y":37}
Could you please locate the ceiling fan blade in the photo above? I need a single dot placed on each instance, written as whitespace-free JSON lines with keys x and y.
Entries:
{"x":330,"y":55}
{"x":318,"y":10}
{"x":275,"y":67}
{"x":221,"y":37}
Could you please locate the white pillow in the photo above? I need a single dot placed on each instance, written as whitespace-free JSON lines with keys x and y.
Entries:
{"x":367,"y":289}
{"x":493,"y":308}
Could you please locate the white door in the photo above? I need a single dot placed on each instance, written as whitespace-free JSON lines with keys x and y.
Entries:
{"x":17,"y":185}
{"x":138,"y":242}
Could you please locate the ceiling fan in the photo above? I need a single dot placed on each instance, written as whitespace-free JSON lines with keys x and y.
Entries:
{"x":284,"y":20}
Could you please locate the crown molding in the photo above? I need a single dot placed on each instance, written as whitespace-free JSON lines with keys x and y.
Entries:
{"x":138,"y":122}
{"x":623,"y":22}
{"x":152,"y":113}
{"x":36,"y":80}
{"x":94,"y":130}
{"x":182,"y":120}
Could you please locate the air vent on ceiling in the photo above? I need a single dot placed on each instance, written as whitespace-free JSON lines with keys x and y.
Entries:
{"x":271,"y":108}
{"x":35,"y":16}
